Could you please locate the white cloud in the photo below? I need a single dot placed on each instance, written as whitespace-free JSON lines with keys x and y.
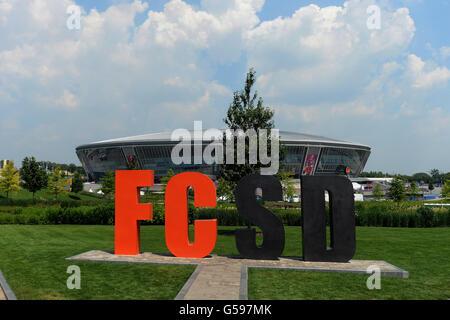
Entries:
{"x":321,"y":69}
{"x":68,"y":100}
{"x":424,"y":75}
{"x":329,"y":49}
{"x":445,"y":52}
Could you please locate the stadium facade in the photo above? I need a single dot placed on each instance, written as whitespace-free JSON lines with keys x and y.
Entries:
{"x":305,"y":154}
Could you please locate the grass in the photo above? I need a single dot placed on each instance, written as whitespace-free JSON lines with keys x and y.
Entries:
{"x":44,"y":196}
{"x":424,"y":253}
{"x":32,"y":260}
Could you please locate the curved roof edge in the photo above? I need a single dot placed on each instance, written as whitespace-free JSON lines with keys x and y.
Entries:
{"x":165,"y":137}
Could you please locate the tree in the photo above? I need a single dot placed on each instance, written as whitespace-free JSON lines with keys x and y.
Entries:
{"x":377,"y":192}
{"x":431,"y":186}
{"x":287,"y":184}
{"x":244,"y":113}
{"x":421,"y":177}
{"x":108,"y":182}
{"x":57,"y":182}
{"x":435,"y":176}
{"x":77,"y":183}
{"x":9,"y":180}
{"x":224,"y":189}
{"x":445,"y":192}
{"x":33,"y":175}
{"x":413,"y":189}
{"x":396,"y":190}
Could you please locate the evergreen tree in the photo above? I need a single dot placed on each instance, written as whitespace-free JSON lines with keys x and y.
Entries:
{"x":33,"y":175}
{"x":9,"y":180}
{"x":396,"y":190}
{"x":77,"y":183}
{"x":244,"y":113}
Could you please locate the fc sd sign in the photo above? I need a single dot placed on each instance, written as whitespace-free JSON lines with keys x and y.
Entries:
{"x":129,"y":212}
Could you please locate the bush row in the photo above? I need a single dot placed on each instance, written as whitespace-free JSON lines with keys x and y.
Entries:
{"x":104,"y":214}
{"x":59,"y":215}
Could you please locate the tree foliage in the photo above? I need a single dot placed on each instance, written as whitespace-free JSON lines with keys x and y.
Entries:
{"x":77,"y":182}
{"x":108,"y":182}
{"x":421,"y":177}
{"x":9,"y":180}
{"x":33,"y":175}
{"x":413,"y":189}
{"x":396,"y":190}
{"x":445,"y":192}
{"x":57,"y":182}
{"x":377,"y":192}
{"x":165,"y":180}
{"x":224,"y":189}
{"x":247,"y":112}
{"x":287,"y":184}
{"x":435,"y":176}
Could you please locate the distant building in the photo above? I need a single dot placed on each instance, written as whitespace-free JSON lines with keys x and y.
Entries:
{"x":3,"y":163}
{"x":306,"y":154}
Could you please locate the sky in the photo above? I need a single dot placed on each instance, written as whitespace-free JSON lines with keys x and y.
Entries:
{"x":330,"y":68}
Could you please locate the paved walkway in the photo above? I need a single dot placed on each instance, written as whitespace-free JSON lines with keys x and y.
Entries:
{"x":225,"y":277}
{"x":5,"y":291}
{"x":2,"y":294}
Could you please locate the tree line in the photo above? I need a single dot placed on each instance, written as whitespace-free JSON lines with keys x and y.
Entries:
{"x":34,"y":176}
{"x":433,"y":176}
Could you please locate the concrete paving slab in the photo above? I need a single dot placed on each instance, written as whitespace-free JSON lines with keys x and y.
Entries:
{"x":225,"y":277}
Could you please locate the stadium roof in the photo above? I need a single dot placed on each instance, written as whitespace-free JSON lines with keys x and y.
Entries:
{"x":165,"y":137}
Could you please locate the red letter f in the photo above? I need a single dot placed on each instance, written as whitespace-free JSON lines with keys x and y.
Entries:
{"x":129,"y":211}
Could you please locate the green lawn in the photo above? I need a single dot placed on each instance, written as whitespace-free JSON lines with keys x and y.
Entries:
{"x":32,"y":260}
{"x":45,"y":195}
{"x":424,"y":253}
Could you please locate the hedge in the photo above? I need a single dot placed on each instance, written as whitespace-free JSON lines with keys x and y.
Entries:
{"x":371,"y":215}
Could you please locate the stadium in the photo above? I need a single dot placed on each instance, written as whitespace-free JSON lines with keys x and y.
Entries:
{"x":305,"y":154}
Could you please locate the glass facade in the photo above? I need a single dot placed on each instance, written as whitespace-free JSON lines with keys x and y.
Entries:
{"x":302,"y":158}
{"x":293,"y":159}
{"x":337,"y":160}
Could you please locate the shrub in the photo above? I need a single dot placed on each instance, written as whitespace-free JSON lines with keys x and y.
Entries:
{"x":6,"y":218}
{"x":69,"y":204}
{"x":426,"y":215}
{"x":225,"y":217}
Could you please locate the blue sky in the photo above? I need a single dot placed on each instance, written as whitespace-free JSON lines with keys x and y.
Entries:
{"x":146,"y":66}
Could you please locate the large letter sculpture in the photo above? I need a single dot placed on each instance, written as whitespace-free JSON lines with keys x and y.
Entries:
{"x":129,"y":211}
{"x":342,"y":219}
{"x":177,"y":233}
{"x":271,"y":226}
